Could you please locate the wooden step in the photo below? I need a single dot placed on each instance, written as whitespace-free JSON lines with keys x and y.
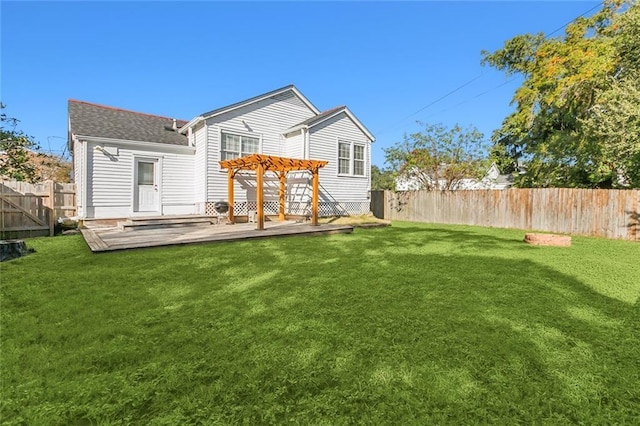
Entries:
{"x":140,"y":223}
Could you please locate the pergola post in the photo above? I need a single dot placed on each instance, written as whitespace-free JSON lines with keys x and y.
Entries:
{"x":282,"y":177}
{"x":260,"y":164}
{"x":314,"y":197}
{"x":260,"y":195}
{"x":230,"y":176}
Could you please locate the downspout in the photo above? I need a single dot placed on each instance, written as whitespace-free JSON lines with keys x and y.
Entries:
{"x":206,"y":165}
{"x":306,"y":154}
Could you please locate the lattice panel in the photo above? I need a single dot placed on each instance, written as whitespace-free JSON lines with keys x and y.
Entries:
{"x":299,"y":208}
{"x":348,"y":208}
{"x":209,"y":210}
{"x":326,"y":208}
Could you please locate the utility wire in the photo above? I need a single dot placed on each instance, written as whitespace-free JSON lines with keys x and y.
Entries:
{"x":393,"y":126}
{"x":574,"y":19}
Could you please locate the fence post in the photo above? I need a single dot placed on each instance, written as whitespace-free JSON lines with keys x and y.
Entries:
{"x":52,"y":208}
{"x":2,"y":210}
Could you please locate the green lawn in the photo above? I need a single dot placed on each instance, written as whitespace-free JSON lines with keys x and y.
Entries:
{"x":413,"y":324}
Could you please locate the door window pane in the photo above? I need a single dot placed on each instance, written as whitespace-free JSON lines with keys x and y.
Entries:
{"x":145,"y":173}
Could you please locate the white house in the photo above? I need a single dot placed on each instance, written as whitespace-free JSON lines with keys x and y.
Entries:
{"x":128,"y":163}
{"x":492,"y":179}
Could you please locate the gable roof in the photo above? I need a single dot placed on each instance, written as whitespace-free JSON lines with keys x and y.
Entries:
{"x":87,"y":119}
{"x":255,"y":99}
{"x":328,"y":114}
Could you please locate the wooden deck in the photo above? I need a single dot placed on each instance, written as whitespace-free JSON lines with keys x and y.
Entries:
{"x":110,"y":238}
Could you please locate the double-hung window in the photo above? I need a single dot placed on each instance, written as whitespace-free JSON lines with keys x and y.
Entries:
{"x":351,"y":158}
{"x":235,"y":146}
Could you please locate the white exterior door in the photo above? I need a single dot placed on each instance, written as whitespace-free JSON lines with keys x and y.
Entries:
{"x":147,"y":191}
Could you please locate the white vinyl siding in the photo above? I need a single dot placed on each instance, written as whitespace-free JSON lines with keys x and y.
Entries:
{"x":110,"y":180}
{"x":294,"y":145}
{"x":200,"y":167}
{"x":78,"y":172}
{"x":325,"y":138}
{"x":177,"y":189}
{"x":267,"y":120}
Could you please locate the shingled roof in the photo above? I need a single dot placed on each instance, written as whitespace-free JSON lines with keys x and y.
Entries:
{"x":87,"y":119}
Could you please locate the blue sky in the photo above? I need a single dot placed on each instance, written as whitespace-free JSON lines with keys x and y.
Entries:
{"x":387,"y":61}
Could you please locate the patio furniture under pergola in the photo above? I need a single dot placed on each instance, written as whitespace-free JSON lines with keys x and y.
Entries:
{"x":281,"y":166}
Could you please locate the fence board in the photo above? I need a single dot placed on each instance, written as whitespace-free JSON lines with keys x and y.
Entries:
{"x":593,"y":212}
{"x":29,"y":210}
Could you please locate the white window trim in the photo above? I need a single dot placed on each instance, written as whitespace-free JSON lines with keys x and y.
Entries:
{"x":351,"y":158}
{"x":222,"y":130}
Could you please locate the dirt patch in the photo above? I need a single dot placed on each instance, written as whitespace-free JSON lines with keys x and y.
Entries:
{"x":365,"y":220}
{"x":547,"y":240}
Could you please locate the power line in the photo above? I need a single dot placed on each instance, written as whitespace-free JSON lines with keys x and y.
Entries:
{"x":393,"y":126}
{"x":574,"y":19}
{"x":473,"y":97}
{"x":437,"y":100}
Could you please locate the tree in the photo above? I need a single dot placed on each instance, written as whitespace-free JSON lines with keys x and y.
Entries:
{"x":382,"y":179}
{"x":14,"y":150}
{"x":438,"y":158}
{"x":571,"y":89}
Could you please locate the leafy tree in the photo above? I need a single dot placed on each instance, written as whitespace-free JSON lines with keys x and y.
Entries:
{"x":569,"y":103}
{"x":506,"y":164}
{"x":438,"y":158}
{"x":51,"y":167}
{"x":382,"y":179}
{"x":14,"y":150}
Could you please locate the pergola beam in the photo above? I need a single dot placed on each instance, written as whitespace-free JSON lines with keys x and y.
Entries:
{"x":281,"y":165}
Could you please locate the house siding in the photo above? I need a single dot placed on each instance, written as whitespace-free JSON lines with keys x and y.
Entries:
{"x":177,"y":193}
{"x":200,"y":169}
{"x":324,"y":145}
{"x":77,"y":176}
{"x":110,"y":181}
{"x":294,"y":145}
{"x":266,"y":119}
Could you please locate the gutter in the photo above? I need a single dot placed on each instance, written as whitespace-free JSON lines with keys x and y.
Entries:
{"x":142,"y":144}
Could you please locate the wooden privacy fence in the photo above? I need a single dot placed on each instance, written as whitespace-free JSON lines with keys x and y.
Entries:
{"x":32,"y":210}
{"x":595,"y":212}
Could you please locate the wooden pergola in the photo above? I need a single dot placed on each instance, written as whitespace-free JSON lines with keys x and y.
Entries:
{"x":281,"y":166}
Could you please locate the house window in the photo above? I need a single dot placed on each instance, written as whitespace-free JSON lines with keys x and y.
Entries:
{"x":344,"y":158}
{"x":351,"y":159}
{"x":235,"y":146}
{"x":358,"y":160}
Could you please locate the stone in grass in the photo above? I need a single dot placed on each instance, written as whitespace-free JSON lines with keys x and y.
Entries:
{"x":547,"y":240}
{"x":11,"y":249}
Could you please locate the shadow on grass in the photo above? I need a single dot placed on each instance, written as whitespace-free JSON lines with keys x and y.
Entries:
{"x":441,"y":336}
{"x":417,"y":236}
{"x":397,"y":325}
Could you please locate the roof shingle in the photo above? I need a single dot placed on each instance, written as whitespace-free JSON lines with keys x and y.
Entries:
{"x":89,"y":119}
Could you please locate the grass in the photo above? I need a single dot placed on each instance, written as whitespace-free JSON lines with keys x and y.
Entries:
{"x":413,"y":324}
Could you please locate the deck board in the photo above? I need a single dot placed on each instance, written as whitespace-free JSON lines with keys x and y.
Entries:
{"x":102,"y":239}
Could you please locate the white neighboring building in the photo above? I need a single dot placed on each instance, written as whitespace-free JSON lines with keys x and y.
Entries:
{"x":492,"y":180}
{"x":128,"y":163}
